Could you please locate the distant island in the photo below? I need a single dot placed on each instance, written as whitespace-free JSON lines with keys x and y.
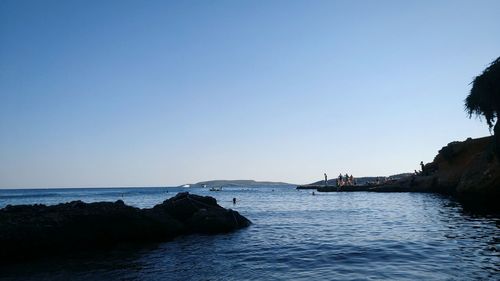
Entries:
{"x":234,"y":183}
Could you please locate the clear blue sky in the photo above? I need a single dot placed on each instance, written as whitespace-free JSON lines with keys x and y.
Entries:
{"x":148,"y":93}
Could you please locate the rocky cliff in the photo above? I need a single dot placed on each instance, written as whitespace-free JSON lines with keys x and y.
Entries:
{"x":468,"y":170}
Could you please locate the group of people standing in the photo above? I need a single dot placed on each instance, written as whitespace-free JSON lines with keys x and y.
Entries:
{"x":342,"y":180}
{"x":346,"y":180}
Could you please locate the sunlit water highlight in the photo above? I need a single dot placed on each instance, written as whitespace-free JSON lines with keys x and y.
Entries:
{"x":295,"y":236}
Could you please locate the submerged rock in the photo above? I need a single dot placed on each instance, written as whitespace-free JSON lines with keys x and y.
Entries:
{"x":37,"y":230}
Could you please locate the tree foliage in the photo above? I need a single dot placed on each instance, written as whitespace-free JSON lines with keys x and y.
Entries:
{"x":484,"y":97}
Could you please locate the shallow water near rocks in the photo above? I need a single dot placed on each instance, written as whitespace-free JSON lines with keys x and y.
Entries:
{"x":295,"y":236}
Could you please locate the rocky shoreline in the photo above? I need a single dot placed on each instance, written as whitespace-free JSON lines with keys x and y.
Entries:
{"x":467,"y":170}
{"x":30,"y":231}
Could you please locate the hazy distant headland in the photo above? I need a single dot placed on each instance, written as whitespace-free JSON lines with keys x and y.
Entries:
{"x":234,"y":183}
{"x":254,"y":183}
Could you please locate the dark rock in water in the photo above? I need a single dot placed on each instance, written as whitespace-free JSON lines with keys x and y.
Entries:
{"x":28,"y":231}
{"x":309,"y":186}
{"x":201,"y":214}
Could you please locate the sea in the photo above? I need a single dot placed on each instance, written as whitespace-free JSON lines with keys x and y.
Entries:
{"x":295,"y":235}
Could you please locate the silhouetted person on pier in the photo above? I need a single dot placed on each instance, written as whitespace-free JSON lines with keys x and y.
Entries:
{"x":326,"y":180}
{"x":423,"y":167}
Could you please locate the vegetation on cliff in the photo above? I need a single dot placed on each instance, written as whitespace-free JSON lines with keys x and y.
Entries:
{"x":470,"y":170}
{"x":484,"y":99}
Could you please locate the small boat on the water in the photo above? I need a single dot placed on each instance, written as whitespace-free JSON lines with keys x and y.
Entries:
{"x":216,"y":188}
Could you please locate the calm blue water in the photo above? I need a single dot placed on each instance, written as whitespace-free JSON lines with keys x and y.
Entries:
{"x":295,"y":236}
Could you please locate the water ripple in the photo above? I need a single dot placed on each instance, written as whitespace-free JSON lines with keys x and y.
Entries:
{"x":295,"y":236}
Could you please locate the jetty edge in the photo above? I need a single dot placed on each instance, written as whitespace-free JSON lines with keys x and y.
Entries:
{"x":34,"y":231}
